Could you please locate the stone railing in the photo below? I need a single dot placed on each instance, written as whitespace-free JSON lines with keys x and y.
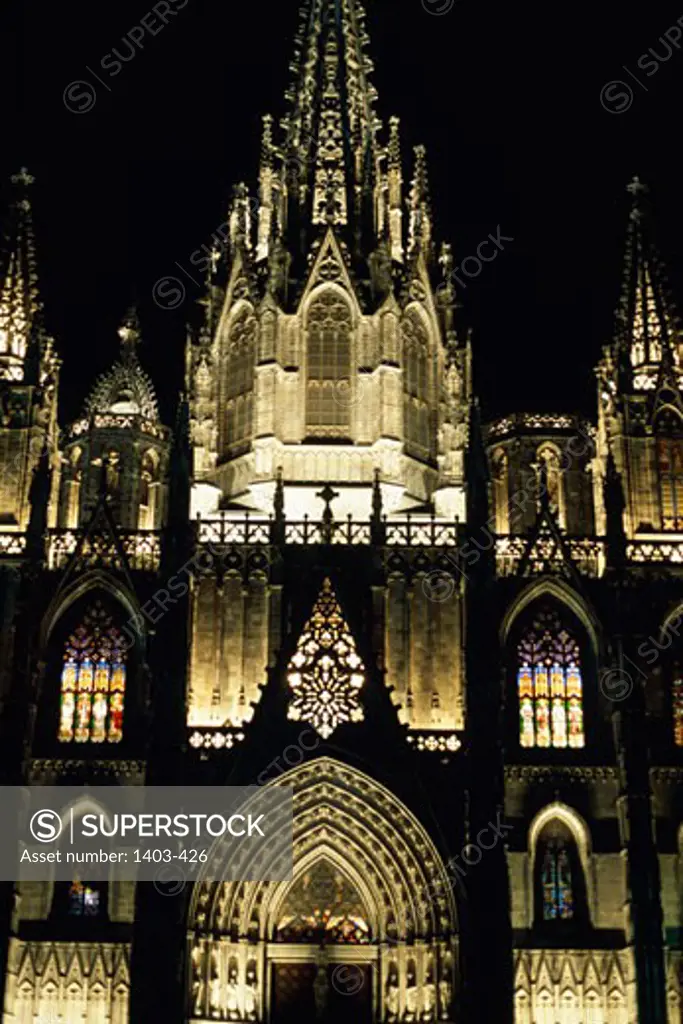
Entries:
{"x":142,"y":549}
{"x":655,"y":551}
{"x":587,"y":554}
{"x":120,"y":421}
{"x":524,"y":422}
{"x":409,"y":531}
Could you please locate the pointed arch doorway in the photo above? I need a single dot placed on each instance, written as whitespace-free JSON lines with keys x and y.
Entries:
{"x":365,"y":930}
{"x":321,"y":955}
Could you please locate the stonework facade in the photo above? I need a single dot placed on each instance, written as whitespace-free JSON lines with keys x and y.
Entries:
{"x":458,"y":642}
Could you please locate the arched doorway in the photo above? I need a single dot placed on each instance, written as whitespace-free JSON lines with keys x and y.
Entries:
{"x":364,"y":931}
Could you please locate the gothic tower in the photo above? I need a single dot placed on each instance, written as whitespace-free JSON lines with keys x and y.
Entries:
{"x":640,"y":383}
{"x":457,"y":642}
{"x":29,"y":369}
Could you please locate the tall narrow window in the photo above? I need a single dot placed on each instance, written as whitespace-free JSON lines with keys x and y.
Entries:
{"x":549,"y":684}
{"x":238,"y":380}
{"x":670,"y":470}
{"x":93,"y":681}
{"x":329,"y":391}
{"x":648,"y":328}
{"x":677,"y":704}
{"x":416,"y":383}
{"x":559,"y":882}
{"x":558,"y":897}
{"x":501,"y":498}
{"x":73,"y":489}
{"x":148,"y":491}
{"x":548,"y":459}
{"x":113,"y":473}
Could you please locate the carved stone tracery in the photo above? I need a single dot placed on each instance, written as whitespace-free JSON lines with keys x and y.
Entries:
{"x":395,"y":897}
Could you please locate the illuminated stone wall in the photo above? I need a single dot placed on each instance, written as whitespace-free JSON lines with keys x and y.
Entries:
{"x":67,"y":981}
{"x":573,"y":986}
{"x":423,"y":649}
{"x":252,"y":385}
{"x":231,"y":647}
{"x":564,"y":446}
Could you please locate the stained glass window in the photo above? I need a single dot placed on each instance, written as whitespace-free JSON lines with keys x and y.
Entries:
{"x":321,"y":907}
{"x":556,"y":881}
{"x":670,"y":470}
{"x":93,"y":681}
{"x":84,"y":899}
{"x":549,"y":685}
{"x":677,"y":700}
{"x":326,"y":673}
{"x":329,"y":398}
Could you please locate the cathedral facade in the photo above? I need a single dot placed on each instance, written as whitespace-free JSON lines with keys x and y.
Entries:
{"x":458,"y":642}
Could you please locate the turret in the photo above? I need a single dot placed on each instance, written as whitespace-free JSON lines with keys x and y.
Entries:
{"x":120,"y":434}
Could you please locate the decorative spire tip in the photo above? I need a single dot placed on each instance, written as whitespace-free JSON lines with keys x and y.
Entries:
{"x":22,"y":178}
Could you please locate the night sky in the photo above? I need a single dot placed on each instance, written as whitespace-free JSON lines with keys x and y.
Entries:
{"x":507,"y":99}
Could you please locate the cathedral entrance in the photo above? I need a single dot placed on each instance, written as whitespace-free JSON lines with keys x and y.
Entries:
{"x":323,"y":929}
{"x":364,"y":930}
{"x":302,"y":995}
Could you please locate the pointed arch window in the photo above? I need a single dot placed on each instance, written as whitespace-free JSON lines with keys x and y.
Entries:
{"x":329,"y":394}
{"x":669,"y":444}
{"x":323,"y":907}
{"x":93,"y":681}
{"x":559,"y":882}
{"x":238,"y":379}
{"x":550,"y":685}
{"x":556,"y":880}
{"x":416,"y":382}
{"x":326,"y":673}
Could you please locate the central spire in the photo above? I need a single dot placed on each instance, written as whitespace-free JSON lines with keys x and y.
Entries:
{"x":327,"y":359}
{"x":329,"y":147}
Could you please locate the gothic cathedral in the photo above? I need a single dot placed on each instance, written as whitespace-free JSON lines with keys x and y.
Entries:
{"x":458,"y":642}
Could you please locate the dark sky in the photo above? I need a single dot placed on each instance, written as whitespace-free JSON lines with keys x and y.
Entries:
{"x":507,"y":99}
